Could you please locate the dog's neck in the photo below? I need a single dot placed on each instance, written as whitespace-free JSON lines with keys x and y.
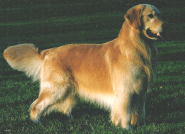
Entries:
{"x":131,"y":34}
{"x":132,"y":39}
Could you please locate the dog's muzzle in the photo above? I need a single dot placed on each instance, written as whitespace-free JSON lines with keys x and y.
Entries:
{"x":158,"y":34}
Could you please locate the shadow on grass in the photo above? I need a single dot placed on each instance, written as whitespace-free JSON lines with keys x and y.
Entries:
{"x":82,"y":110}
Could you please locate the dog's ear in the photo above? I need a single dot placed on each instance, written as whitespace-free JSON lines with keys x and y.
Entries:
{"x":133,"y":16}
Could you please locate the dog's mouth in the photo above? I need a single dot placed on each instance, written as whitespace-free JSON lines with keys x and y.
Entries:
{"x":152,"y":35}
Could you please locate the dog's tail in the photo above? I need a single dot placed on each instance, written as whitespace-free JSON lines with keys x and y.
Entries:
{"x":25,"y":58}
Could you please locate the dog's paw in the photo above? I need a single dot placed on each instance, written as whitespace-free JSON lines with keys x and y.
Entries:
{"x":70,"y":116}
{"x":37,"y":121}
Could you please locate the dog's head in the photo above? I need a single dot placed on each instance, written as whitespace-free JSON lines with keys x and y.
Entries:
{"x":146,"y":18}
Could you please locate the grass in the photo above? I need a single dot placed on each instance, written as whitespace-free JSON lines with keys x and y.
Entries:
{"x":165,"y":102}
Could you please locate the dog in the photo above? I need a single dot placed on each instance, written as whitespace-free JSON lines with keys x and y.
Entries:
{"x":116,"y":75}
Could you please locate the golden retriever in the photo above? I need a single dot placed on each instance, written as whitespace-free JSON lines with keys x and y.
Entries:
{"x":116,"y":75}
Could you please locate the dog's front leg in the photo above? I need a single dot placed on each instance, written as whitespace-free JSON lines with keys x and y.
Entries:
{"x":138,"y":109}
{"x":121,"y":111}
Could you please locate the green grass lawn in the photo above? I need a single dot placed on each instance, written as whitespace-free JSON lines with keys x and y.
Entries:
{"x":165,"y":106}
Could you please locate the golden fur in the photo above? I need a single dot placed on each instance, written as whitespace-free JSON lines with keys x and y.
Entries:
{"x":116,"y":75}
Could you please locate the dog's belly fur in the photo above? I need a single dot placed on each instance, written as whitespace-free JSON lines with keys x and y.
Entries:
{"x":103,"y":100}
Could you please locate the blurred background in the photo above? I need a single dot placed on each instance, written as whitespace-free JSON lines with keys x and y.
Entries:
{"x":57,"y":22}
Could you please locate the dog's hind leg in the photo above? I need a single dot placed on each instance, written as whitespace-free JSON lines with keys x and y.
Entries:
{"x":53,"y":96}
{"x":57,"y":90}
{"x":64,"y":106}
{"x":45,"y":102}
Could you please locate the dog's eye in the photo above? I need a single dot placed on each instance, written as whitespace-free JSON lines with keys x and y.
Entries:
{"x":150,"y":15}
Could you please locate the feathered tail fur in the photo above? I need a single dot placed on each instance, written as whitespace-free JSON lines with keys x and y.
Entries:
{"x":25,"y":58}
